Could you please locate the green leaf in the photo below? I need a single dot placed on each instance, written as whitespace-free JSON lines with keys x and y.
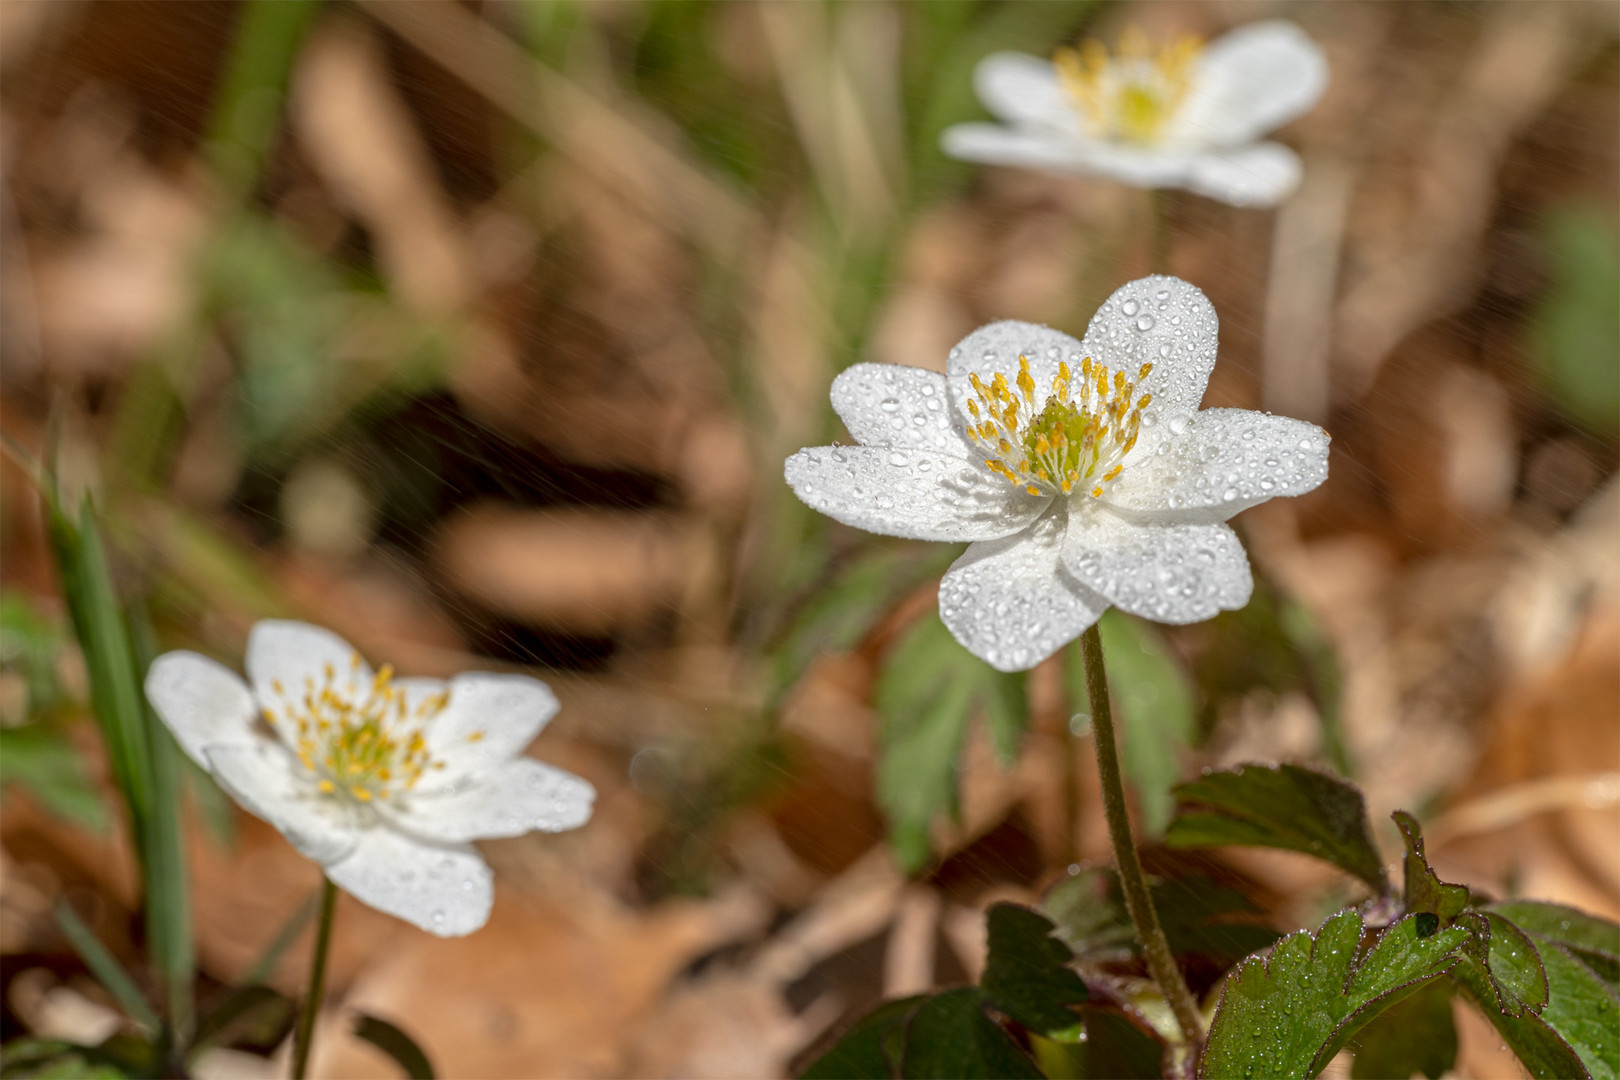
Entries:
{"x":1198,"y":916}
{"x":1025,"y":973}
{"x":107,"y":970}
{"x":1424,"y":889}
{"x":1417,"y":1035}
{"x":1154,"y":702}
{"x":872,"y":1048}
{"x":46,"y":764}
{"x":1582,"y":1010}
{"x":1281,"y":806}
{"x":1593,"y":941}
{"x":951,"y":1037}
{"x":1106,"y":1047}
{"x":1289,"y":1013}
{"x":1507,"y":961}
{"x":1542,"y":1051}
{"x":1575,"y":333}
{"x":396,"y":1044}
{"x":929,"y":688}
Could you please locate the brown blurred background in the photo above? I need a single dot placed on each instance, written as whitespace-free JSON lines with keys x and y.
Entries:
{"x":478,"y":332}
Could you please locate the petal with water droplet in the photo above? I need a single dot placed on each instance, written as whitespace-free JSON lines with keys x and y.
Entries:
{"x":1167,"y":573}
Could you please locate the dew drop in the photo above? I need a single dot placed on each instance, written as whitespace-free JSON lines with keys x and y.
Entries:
{"x":889,"y":404}
{"x":1145,"y":323}
{"x":438,"y":918}
{"x":1130,"y":307}
{"x":1178,"y":425}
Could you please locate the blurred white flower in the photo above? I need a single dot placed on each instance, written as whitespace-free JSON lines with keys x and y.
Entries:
{"x":1178,"y":116}
{"x":382,"y":781}
{"x":1082,"y":471}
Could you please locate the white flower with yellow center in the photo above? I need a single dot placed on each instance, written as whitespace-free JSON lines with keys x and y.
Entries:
{"x":1179,"y":115}
{"x":1083,"y":472}
{"x":382,"y":781}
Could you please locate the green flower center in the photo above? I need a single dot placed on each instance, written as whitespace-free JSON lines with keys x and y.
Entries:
{"x":1076,"y":439}
{"x":1132,"y":96}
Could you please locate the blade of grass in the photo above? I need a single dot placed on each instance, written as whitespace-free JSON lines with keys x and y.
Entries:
{"x":105,"y":968}
{"x":273,"y":952}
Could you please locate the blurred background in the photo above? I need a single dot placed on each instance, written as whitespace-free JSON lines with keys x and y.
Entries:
{"x":478,"y":331}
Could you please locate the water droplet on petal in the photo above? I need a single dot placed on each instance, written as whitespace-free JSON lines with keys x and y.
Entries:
{"x":1130,"y":307}
{"x":1145,"y":322}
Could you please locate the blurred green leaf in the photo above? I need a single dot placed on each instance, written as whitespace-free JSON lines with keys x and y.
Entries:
{"x":1286,"y":1015}
{"x":30,"y":644}
{"x":1575,"y":332}
{"x":1417,"y":1035}
{"x":1424,"y":890}
{"x":396,"y":1044}
{"x":872,"y":1048}
{"x":107,"y":970}
{"x":1106,"y":1046}
{"x":929,"y":689}
{"x":1199,"y":917}
{"x":254,"y":1004}
{"x":248,"y":105}
{"x":1026,"y":973}
{"x":1154,"y":701}
{"x":46,"y":763}
{"x":950,"y":1036}
{"x":55,"y":1059}
{"x":1281,"y":806}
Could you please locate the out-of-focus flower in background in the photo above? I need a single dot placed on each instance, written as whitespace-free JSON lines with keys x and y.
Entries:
{"x":382,"y":781}
{"x":1177,"y":115}
{"x":1082,"y":472}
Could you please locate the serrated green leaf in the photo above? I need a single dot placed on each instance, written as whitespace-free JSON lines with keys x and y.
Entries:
{"x":951,"y":1037}
{"x":1281,"y":806}
{"x":1025,"y":972}
{"x":871,"y":1049}
{"x":1286,"y":1015}
{"x":1424,"y":889}
{"x":1417,"y":1035}
{"x":1582,"y":1010}
{"x":1543,"y":1053}
{"x":929,"y":690}
{"x":1508,"y":962}
{"x":1154,"y":703}
{"x":1593,"y":941}
{"x":393,"y":1041}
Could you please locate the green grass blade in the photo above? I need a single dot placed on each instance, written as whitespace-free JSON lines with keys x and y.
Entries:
{"x":106,"y":969}
{"x":266,"y":963}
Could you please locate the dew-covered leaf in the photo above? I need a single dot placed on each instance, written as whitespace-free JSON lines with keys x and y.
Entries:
{"x":872,"y":1048}
{"x":1287,"y":1014}
{"x":929,"y":690}
{"x":1593,"y":941}
{"x":1281,"y":806}
{"x":950,"y":1036}
{"x":1508,"y":962}
{"x":1582,"y":1010}
{"x":1424,"y":889}
{"x":1416,"y":1035}
{"x":1025,"y":972}
{"x":1154,"y":700}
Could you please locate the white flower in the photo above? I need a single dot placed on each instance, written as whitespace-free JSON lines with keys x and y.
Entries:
{"x":1082,"y":471}
{"x":1180,"y":116}
{"x":382,"y":781}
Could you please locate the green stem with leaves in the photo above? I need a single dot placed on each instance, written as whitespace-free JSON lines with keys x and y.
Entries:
{"x":317,"y":981}
{"x":1155,"y":946}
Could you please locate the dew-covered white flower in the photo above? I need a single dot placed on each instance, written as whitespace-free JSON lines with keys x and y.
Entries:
{"x":1083,"y":472}
{"x":382,"y":781}
{"x":1180,"y":115}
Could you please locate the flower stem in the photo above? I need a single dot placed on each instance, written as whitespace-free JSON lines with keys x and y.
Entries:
{"x":1159,"y":223}
{"x":317,"y":981}
{"x":1155,"y":946}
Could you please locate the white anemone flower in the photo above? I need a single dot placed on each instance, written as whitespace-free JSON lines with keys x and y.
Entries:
{"x":1178,"y":116}
{"x":382,"y":781}
{"x":1083,"y":472}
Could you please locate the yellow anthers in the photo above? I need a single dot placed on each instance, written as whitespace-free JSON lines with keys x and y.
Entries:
{"x":1131,"y":96}
{"x":361,"y":738}
{"x":1059,"y":444}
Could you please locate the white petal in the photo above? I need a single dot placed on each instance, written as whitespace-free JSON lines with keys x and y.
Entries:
{"x":281,"y":651}
{"x":1263,"y":174}
{"x":446,"y":889}
{"x":1037,"y":148}
{"x":1165,"y":322}
{"x":1011,"y":603}
{"x":1168,"y":573}
{"x":270,"y":784}
{"x":518,"y":797}
{"x":202,"y":702}
{"x":914,"y":493}
{"x":1024,"y":90}
{"x":487,"y":722}
{"x":995,"y":349}
{"x":891,"y":405}
{"x":1249,"y":81}
{"x":1227,"y":460}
